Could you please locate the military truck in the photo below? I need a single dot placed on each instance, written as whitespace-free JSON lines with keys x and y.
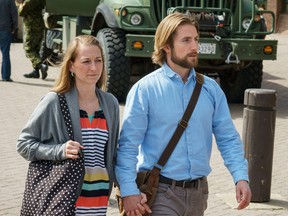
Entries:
{"x":231,"y":49}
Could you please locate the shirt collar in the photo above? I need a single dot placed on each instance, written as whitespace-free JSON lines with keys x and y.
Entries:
{"x":170,"y":73}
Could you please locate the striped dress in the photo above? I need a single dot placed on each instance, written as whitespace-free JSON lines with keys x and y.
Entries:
{"x":93,"y":199}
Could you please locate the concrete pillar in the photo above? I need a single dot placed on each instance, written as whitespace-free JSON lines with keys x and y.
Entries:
{"x":258,"y":136}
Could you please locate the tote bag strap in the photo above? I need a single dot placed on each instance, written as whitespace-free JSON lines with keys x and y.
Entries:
{"x":66,"y":115}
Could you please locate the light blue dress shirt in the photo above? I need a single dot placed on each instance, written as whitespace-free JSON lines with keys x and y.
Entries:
{"x":154,"y":106}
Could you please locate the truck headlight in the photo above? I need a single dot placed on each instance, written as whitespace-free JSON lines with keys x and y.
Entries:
{"x":136,"y":19}
{"x":246,"y":22}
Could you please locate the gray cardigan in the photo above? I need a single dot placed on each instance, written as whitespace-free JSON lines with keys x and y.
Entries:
{"x":45,"y":134}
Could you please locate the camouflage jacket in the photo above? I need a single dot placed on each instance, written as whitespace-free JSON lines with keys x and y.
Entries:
{"x":31,"y":8}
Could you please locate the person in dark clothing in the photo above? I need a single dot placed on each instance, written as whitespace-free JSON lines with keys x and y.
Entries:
{"x":8,"y":26}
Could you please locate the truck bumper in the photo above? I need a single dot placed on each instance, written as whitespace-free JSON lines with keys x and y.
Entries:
{"x":210,"y":48}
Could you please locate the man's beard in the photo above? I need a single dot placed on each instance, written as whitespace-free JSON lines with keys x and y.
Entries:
{"x":184,"y":62}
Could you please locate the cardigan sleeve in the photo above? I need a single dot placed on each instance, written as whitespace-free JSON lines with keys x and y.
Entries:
{"x":45,"y":134}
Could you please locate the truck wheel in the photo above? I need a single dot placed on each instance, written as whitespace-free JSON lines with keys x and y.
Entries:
{"x":117,"y":65}
{"x":49,"y":45}
{"x":235,"y":85}
{"x":45,"y":52}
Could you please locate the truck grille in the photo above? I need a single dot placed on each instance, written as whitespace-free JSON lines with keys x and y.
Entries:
{"x":163,"y":7}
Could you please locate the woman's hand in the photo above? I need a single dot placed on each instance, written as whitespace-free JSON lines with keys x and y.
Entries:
{"x":72,"y":149}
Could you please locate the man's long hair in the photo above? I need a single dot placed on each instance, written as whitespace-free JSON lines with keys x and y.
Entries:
{"x":165,"y":34}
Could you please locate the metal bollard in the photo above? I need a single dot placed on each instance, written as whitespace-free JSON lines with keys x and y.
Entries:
{"x":258,"y":138}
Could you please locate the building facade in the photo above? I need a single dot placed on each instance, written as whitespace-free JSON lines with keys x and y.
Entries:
{"x":280,"y":9}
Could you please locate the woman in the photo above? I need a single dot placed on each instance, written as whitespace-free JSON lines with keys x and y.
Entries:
{"x":95,"y":122}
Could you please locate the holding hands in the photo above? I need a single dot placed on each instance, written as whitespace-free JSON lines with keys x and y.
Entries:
{"x":136,"y":205}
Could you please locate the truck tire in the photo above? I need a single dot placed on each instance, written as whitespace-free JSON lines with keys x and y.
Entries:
{"x":48,"y":46}
{"x":44,"y":51}
{"x":117,"y":65}
{"x":249,"y":77}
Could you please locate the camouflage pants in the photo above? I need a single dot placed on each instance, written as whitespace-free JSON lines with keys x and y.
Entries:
{"x":34,"y":33}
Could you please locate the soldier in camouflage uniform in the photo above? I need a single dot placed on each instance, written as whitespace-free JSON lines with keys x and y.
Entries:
{"x":31,"y":11}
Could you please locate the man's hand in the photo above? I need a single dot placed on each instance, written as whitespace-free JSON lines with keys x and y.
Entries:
{"x":243,"y":194}
{"x":136,"y":205}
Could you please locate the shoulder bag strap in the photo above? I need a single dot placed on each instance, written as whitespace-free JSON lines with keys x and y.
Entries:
{"x":66,"y":115}
{"x":182,"y":125}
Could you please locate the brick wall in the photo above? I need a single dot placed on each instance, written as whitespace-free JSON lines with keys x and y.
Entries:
{"x":276,"y":7}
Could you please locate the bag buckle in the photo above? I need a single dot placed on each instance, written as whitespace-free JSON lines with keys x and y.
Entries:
{"x":183,"y":123}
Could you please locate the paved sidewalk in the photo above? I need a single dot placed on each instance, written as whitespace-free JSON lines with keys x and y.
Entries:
{"x":19,"y":98}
